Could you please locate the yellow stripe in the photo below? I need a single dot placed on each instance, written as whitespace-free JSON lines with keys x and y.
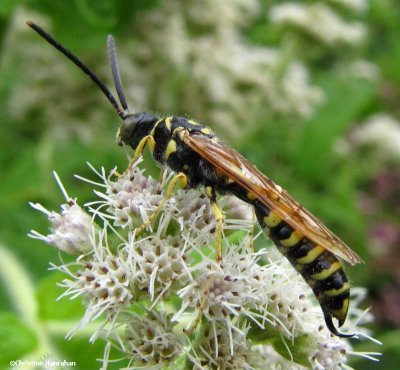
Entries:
{"x":335,"y":292}
{"x":311,"y":256}
{"x":168,"y":123}
{"x":195,"y":123}
{"x":327,"y":272}
{"x":155,"y":126}
{"x":171,"y":148}
{"x":341,"y":313}
{"x":206,"y":131}
{"x":292,"y":240}
{"x":272,"y":219}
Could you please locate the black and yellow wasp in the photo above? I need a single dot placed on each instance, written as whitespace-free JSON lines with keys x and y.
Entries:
{"x":198,"y":157}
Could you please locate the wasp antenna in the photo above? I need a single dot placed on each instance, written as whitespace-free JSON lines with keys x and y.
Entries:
{"x":85,"y":69}
{"x":112,"y":58}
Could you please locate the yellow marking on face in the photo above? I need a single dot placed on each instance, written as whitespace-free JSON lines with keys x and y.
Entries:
{"x":272,"y":219}
{"x":155,"y":126}
{"x":311,"y":256}
{"x":168,"y":123}
{"x":206,"y":131}
{"x":185,"y":167}
{"x":194,"y":123}
{"x":324,"y":274}
{"x":251,"y":195}
{"x":292,"y":240}
{"x":342,"y":312}
{"x":171,"y":148}
{"x":335,"y":292}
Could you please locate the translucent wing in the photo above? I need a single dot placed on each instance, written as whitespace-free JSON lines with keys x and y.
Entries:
{"x":236,"y":167}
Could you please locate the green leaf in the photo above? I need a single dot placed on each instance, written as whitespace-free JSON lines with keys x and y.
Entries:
{"x":296,"y":351}
{"x":7,"y":7}
{"x":86,"y":354}
{"x":263,"y":336}
{"x":314,"y":148}
{"x":49,"y":307}
{"x":16,"y":339}
{"x":236,"y":237}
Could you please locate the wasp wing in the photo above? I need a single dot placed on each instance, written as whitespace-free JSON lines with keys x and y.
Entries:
{"x":233,"y":165}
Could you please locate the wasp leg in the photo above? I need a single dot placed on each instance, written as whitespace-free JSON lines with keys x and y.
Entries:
{"x":210,"y":192}
{"x":212,"y":195}
{"x":161,"y":176}
{"x":180,"y":178}
{"x":149,"y":139}
{"x":251,"y":233}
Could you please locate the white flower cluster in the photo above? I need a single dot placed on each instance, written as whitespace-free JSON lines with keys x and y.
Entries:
{"x":71,"y":229}
{"x":320,"y":21}
{"x":43,"y":94}
{"x":204,"y":41}
{"x":200,"y":49}
{"x":380,"y":131}
{"x":162,"y":300}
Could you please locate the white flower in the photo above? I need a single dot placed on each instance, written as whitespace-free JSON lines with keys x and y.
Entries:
{"x":160,"y":264}
{"x":70,"y":230}
{"x":233,"y":290}
{"x":148,"y":340}
{"x":221,"y":348}
{"x":105,"y":281}
{"x":130,"y":197}
{"x":298,"y":94}
{"x":320,"y":21}
{"x":381,"y":131}
{"x":146,"y":289}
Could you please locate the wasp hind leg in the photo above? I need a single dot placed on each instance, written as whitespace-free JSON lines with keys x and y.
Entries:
{"x":180,"y":179}
{"x":251,"y":233}
{"x":211,"y":194}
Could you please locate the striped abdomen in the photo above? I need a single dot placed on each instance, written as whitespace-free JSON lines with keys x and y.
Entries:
{"x":320,"y":268}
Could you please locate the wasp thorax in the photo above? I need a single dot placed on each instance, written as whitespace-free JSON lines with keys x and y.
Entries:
{"x":135,"y":127}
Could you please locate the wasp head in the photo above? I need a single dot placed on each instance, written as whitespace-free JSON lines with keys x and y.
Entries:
{"x":135,"y":127}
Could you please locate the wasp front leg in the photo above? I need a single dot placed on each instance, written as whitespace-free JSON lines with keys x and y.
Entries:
{"x":180,"y":179}
{"x":211,"y":194}
{"x":149,"y":139}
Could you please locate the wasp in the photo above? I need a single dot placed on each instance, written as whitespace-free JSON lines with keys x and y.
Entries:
{"x":199,"y":158}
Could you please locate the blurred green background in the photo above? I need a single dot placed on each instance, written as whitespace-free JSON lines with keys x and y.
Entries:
{"x":309,"y":91}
